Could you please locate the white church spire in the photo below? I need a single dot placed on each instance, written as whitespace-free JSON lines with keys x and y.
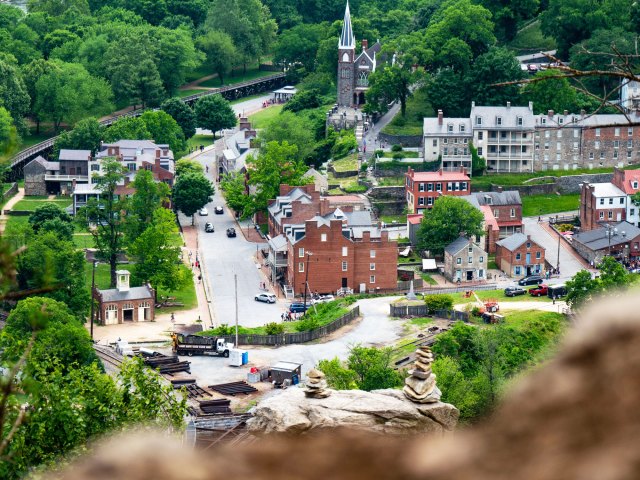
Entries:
{"x":347,"y":40}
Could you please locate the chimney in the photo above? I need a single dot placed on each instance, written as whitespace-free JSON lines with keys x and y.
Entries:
{"x":473,"y":104}
{"x":565,"y":112}
{"x":499,"y":189}
{"x":583,"y":112}
{"x":550,"y":113}
{"x":439,"y":117}
{"x":365,"y":44}
{"x":157,"y":153}
{"x":440,"y":171}
{"x":508,"y":104}
{"x":531,"y":106}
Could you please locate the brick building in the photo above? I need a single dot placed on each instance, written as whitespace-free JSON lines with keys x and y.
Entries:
{"x":519,"y":256}
{"x":125,"y":304}
{"x":340,"y":250}
{"x":465,"y":261}
{"x":423,"y":188}
{"x":620,"y":240}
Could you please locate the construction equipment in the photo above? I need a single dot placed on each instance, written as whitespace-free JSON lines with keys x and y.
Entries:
{"x":490,"y":305}
{"x":197,"y":345}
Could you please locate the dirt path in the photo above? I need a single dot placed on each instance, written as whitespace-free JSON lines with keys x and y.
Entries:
{"x":8,"y":206}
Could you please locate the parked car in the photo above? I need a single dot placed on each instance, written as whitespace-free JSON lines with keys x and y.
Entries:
{"x":265,"y":297}
{"x":231,"y":232}
{"x":538,"y":291}
{"x":208,"y":227}
{"x":203,"y":212}
{"x":322,"y":299}
{"x":533,"y":68}
{"x":218,"y":210}
{"x":514,"y":291}
{"x":298,"y":307}
{"x":530,"y":280}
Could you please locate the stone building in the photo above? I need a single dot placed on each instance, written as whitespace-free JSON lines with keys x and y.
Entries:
{"x":43,"y":177}
{"x":465,"y":261}
{"x":423,"y":188}
{"x":124,"y":303}
{"x":620,"y":240}
{"x":448,"y":140}
{"x":519,"y":256}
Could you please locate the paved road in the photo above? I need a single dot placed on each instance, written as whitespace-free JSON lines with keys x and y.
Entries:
{"x":373,"y":132}
{"x":243,"y":108}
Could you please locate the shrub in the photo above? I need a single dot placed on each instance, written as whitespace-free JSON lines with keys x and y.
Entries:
{"x":363,"y":167}
{"x":398,"y":156}
{"x":475,"y":311}
{"x":396,"y":148}
{"x":306,"y":324}
{"x":357,"y":188}
{"x":224,"y":329}
{"x":378,"y":153}
{"x":273,"y":328}
{"x":438,"y":302}
{"x":564,"y":227}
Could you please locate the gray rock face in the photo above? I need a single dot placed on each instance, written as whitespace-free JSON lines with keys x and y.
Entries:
{"x":382,"y":411}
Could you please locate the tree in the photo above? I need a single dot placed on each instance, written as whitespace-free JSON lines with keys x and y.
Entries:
{"x":613,"y":275}
{"x":220,"y":51}
{"x":57,"y":8}
{"x":390,"y":84}
{"x":290,"y":128}
{"x":56,"y":39}
{"x":184,"y":165}
{"x":552,"y":93}
{"x":214,"y":113}
{"x":157,"y":256}
{"x":275,"y":164}
{"x":447,"y":220}
{"x":149,"y":195}
{"x":438,"y":302}
{"x":31,"y":73}
{"x":165,"y":130}
{"x":300,"y":44}
{"x":70,"y":93}
{"x":86,"y":135}
{"x":496,"y":66}
{"x":106,"y":214}
{"x":454,"y":102}
{"x":478,"y":163}
{"x":13,"y":94}
{"x":47,"y":212}
{"x":580,"y":289}
{"x":337,"y":375}
{"x":303,"y":100}
{"x":373,"y":369}
{"x":183,"y":114}
{"x":191,"y":192}
{"x":177,"y":56}
{"x":8,"y":133}
{"x":234,"y":190}
{"x":127,"y":128}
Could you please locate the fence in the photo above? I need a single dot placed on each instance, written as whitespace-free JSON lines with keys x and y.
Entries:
{"x":423,"y":311}
{"x":486,"y":286}
{"x":298,"y":337}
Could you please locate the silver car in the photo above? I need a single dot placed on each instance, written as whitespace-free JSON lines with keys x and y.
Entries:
{"x":265,"y":297}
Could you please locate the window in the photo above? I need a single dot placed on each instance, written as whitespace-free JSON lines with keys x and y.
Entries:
{"x":538,"y":255}
{"x":518,"y":256}
{"x":323,"y":237}
{"x":345,"y":251}
{"x":576,"y":133}
{"x":301,"y":267}
{"x":344,"y":266}
{"x":95,"y":167}
{"x":372,"y":266}
{"x":601,"y":156}
{"x":420,"y":201}
{"x":616,"y":144}
{"x":480,"y":135}
{"x":602,"y":201}
{"x":459,"y":261}
{"x":518,"y":270}
{"x":445,"y":151}
{"x":632,"y":212}
{"x":630,"y":131}
{"x":546,"y":157}
{"x":421,"y":187}
{"x":481,"y":259}
{"x":478,"y":120}
{"x":615,"y":154}
{"x":470,"y":249}
{"x":470,"y":259}
{"x":610,"y":215}
{"x":596,"y":144}
{"x":629,"y":143}
{"x":372,"y":254}
{"x":611,"y":201}
{"x":429,"y":187}
{"x":528,"y":244}
{"x":635,"y":185}
{"x":590,"y":155}
{"x":575,"y":145}
{"x":429,"y":201}
{"x":543,"y":121}
{"x":513,"y":212}
{"x":496,"y":213}
{"x":463,"y":186}
{"x":131,"y":167}
{"x":597,"y":132}
{"x":445,"y":140}
{"x":559,"y":134}
{"x":519,"y":121}
{"x":546,"y":145}
{"x":547,"y":134}
{"x":461,"y":127}
{"x":616,"y":132}
{"x":560,"y":120}
{"x":558,"y":146}
{"x":601,"y":215}
{"x":372,"y":279}
{"x":438,"y":187}
{"x":301,"y":252}
{"x":480,"y":151}
{"x":449,"y":187}
{"x":435,"y":142}
{"x":621,"y":200}
{"x":450,"y":128}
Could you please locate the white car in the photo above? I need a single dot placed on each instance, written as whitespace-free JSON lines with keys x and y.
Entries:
{"x":203,"y":212}
{"x":265,"y":297}
{"x":323,"y":299}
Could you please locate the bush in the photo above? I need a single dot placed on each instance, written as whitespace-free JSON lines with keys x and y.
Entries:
{"x":378,"y":153}
{"x":306,"y":324}
{"x":475,"y":311}
{"x":564,"y":227}
{"x":363,"y":167}
{"x":396,"y":148}
{"x":274,"y":328}
{"x":345,"y":143}
{"x":357,"y":188}
{"x":438,"y":302}
{"x":224,"y":329}
{"x":398,"y":156}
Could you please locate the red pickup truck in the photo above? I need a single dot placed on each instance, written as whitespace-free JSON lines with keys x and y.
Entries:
{"x":538,"y":291}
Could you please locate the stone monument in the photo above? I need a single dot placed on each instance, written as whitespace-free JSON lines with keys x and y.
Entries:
{"x":420,"y":386}
{"x":316,"y":386}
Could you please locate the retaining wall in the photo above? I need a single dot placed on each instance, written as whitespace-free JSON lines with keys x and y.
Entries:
{"x":564,"y":185}
{"x":404,"y":140}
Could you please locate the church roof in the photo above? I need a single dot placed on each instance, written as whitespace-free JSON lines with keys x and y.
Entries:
{"x":347,"y":40}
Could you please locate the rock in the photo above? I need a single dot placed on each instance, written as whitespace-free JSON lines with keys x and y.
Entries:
{"x":316,"y":385}
{"x":420,"y":374}
{"x":382,"y":411}
{"x":314,"y":373}
{"x":421,"y":386}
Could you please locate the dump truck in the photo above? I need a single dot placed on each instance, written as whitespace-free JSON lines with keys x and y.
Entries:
{"x":197,"y":345}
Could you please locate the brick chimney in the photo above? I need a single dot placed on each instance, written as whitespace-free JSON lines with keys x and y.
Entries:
{"x":157,"y":153}
{"x":324,"y":206}
{"x":565,"y":112}
{"x":440,"y":117}
{"x":440,"y":171}
{"x":366,"y":236}
{"x":550,"y":113}
{"x":365,"y":44}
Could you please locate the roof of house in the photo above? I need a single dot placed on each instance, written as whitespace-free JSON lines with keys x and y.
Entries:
{"x":606,"y":190}
{"x":489,"y":217}
{"x":278,"y":243}
{"x":597,"y":239}
{"x":457,"y":245}
{"x":508,"y":115}
{"x":46,"y":164}
{"x":136,"y":144}
{"x":509,"y":197}
{"x":316,"y":175}
{"x":513,"y":242}
{"x":67,"y":154}
{"x":134,"y":293}
{"x":414,"y":218}
{"x":86,"y":188}
{"x":439,"y":176}
{"x":432,"y":127}
{"x":297,"y":194}
{"x":631,"y":176}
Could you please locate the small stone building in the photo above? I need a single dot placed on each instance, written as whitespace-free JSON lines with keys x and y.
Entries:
{"x":464,"y":261}
{"x":123,"y":303}
{"x":519,"y":256}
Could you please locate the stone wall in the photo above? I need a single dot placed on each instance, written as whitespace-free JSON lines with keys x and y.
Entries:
{"x":388,"y":200}
{"x":387,"y":193}
{"x":564,"y":185}
{"x":342,"y":174}
{"x":404,"y":140}
{"x":398,"y":169}
{"x":11,"y":191}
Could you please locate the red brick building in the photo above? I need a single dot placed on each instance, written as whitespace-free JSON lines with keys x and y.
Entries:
{"x":519,"y":256}
{"x":334,"y":252}
{"x":601,"y":203}
{"x":125,"y":304}
{"x":423,"y":188}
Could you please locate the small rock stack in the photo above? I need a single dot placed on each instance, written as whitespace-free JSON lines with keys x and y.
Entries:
{"x":316,"y":385}
{"x":420,"y":386}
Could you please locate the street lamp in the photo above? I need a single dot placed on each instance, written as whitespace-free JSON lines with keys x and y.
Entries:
{"x":306,"y":281}
{"x":610,"y":231}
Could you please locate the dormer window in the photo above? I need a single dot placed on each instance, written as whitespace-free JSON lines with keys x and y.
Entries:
{"x":450,"y":128}
{"x":498,"y":121}
{"x":543,"y":121}
{"x":519,"y":121}
{"x":560,"y":121}
{"x":478,"y":120}
{"x":462,"y":128}
{"x":635,"y":185}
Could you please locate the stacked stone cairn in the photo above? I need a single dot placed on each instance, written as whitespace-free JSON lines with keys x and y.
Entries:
{"x":316,"y":386}
{"x":420,"y":386}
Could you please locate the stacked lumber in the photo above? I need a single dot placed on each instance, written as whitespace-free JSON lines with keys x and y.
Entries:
{"x":167,"y":364}
{"x":219,"y":405}
{"x":233,"y":388}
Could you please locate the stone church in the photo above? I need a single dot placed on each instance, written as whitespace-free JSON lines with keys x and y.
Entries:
{"x":354,"y":71}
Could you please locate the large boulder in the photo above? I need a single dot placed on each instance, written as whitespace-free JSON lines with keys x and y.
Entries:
{"x":382,"y":411}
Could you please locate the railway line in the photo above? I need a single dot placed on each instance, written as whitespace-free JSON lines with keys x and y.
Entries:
{"x":110,"y":359}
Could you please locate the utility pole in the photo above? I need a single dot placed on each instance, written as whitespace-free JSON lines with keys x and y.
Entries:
{"x":306,"y":281}
{"x":558,"y":262}
{"x":93,"y":285}
{"x":235,"y":280}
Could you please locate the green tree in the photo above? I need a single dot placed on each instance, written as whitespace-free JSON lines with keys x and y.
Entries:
{"x":613,"y":275}
{"x":549,"y":93}
{"x":105,"y":214}
{"x":56,"y":39}
{"x":86,"y":135}
{"x":338,"y":376}
{"x":191,"y":192}
{"x":438,"y":302}
{"x":57,"y":8}
{"x":508,"y":14}
{"x":454,"y":102}
{"x":149,"y":195}
{"x":181,"y":113}
{"x":391,"y":84}
{"x":31,"y":73}
{"x":290,"y":128}
{"x":456,"y":388}
{"x":234,"y":190}
{"x":8,"y":133}
{"x":165,"y":130}
{"x":127,"y":128}
{"x":70,"y":93}
{"x":214,"y":113}
{"x":220,"y":51}
{"x":300,"y":45}
{"x":157,"y":256}
{"x":45,"y":213}
{"x":447,"y":220}
{"x":185,"y":165}
{"x":13,"y":94}
{"x":478,"y":163}
{"x":177,"y":55}
{"x":373,"y":369}
{"x":276,"y":164}
{"x":496,"y":66}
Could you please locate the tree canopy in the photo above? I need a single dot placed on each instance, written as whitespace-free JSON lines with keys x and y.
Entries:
{"x":191,"y":192}
{"x":214,"y":113}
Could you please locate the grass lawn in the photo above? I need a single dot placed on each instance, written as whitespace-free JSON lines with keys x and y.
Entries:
{"x":394,"y":218}
{"x":404,"y":153}
{"x":202,"y":71}
{"x":347,"y":164}
{"x":530,"y":38}
{"x":262,"y":118}
{"x":458,"y":298}
{"x":412,"y":123}
{"x":198,"y":140}
{"x":391,"y":181}
{"x":31,"y":203}
{"x":84,"y":240}
{"x":518,"y":318}
{"x":533,"y":205}
{"x":428,"y":279}
{"x":239,"y":77}
{"x":491,"y":263}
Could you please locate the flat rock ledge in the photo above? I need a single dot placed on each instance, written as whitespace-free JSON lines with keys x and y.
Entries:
{"x":381,"y":411}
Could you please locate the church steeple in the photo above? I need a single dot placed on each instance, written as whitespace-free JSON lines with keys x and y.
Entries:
{"x":347,"y":40}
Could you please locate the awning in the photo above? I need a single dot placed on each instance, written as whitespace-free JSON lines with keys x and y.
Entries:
{"x":429,"y":264}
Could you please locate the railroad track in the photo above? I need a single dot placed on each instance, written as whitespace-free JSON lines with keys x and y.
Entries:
{"x":424,"y":341}
{"x":109,"y":357}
